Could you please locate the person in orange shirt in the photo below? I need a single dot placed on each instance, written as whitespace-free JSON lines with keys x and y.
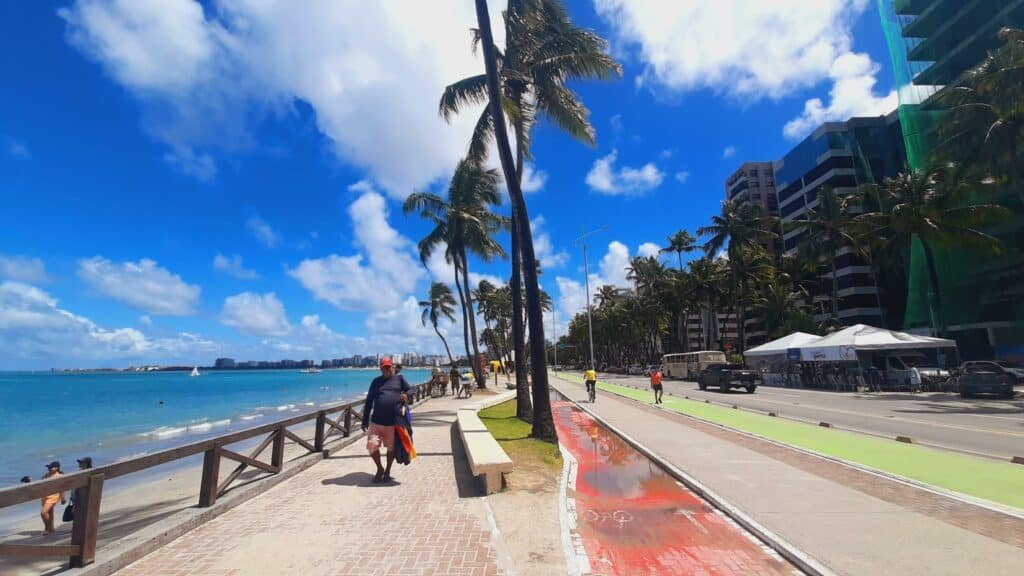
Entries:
{"x":49,"y":502}
{"x":656,"y":385}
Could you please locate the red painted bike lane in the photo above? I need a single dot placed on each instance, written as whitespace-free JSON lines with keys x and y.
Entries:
{"x":633,"y":518}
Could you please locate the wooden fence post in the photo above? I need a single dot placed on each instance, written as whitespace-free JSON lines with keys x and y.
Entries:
{"x":348,"y":422}
{"x":277,"y":456}
{"x":87,"y":517}
{"x":318,"y":440}
{"x":211,"y":474}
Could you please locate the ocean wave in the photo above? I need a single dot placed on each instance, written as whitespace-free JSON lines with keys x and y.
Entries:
{"x":166,"y":432}
{"x":284,"y":407}
{"x":206,"y":426}
{"x":250,"y":416}
{"x":130,"y":456}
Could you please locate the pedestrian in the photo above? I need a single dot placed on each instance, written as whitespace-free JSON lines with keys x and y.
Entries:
{"x":455,"y":379}
{"x":26,"y":479}
{"x":49,"y":502}
{"x":76,"y":499}
{"x":656,"y":385}
{"x":385,"y":398}
{"x":437,"y":381}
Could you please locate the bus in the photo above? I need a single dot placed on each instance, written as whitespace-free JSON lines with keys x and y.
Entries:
{"x":688,"y":365}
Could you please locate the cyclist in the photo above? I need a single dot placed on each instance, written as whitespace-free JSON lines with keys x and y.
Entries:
{"x":590,"y":378}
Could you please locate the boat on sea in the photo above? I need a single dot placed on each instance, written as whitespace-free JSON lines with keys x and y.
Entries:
{"x":195,"y":372}
{"x":310,"y":371}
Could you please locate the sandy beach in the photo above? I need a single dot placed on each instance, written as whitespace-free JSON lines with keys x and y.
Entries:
{"x":133,"y":502}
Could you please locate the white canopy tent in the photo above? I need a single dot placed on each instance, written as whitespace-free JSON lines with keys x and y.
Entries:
{"x":782,"y":345}
{"x":842,"y":346}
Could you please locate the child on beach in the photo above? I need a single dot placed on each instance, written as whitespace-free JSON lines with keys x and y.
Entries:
{"x":50,"y":500}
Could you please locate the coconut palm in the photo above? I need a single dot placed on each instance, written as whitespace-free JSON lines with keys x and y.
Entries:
{"x":680,"y":242}
{"x":828,"y":232}
{"x":935,"y":207}
{"x":544,"y":51}
{"x":606,"y":295}
{"x":465,"y":224}
{"x":439,"y":304}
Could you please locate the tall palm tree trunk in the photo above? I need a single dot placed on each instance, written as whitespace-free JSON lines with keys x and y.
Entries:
{"x":465,"y":319}
{"x":524,"y":407}
{"x":933,"y":278}
{"x":448,"y":350}
{"x":481,"y":382}
{"x":543,"y":423}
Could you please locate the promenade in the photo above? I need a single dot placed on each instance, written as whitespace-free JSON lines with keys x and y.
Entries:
{"x":850,"y":521}
{"x":332,"y":520}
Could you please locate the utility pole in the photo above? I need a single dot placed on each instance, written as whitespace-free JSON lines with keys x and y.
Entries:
{"x":554,"y":334}
{"x":582,"y":241}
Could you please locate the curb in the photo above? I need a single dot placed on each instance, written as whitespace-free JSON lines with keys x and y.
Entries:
{"x":791,"y":553}
{"x":963,"y":498}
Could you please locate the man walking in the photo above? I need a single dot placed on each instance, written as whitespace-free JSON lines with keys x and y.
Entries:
{"x":656,"y":385}
{"x":384,"y":399}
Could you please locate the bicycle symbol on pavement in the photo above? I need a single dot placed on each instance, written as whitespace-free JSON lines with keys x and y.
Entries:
{"x":619,"y":517}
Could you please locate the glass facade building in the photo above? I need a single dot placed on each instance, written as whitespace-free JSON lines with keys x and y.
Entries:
{"x":933,"y":45}
{"x":841,"y":156}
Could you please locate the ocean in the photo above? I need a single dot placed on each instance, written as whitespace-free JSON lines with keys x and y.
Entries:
{"x":47,"y":416}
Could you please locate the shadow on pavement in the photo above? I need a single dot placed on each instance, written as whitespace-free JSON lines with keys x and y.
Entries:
{"x":363,"y":479}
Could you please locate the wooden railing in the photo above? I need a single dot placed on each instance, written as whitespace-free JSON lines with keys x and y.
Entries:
{"x":89,"y":483}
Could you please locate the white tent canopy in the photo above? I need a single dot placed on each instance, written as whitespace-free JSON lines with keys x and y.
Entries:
{"x":844,"y":344}
{"x":782,"y":345}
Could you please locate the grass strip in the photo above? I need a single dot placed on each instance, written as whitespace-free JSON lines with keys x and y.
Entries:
{"x":1000,"y":482}
{"x":514,"y":436}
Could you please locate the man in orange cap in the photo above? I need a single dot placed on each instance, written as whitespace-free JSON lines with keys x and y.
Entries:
{"x":386,"y":395}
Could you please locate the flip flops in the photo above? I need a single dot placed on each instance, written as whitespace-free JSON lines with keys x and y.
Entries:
{"x":379,"y":477}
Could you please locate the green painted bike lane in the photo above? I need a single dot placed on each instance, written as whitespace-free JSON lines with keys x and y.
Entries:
{"x":999,"y":482}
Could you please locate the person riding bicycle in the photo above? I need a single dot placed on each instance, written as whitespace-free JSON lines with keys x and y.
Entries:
{"x":590,"y":378}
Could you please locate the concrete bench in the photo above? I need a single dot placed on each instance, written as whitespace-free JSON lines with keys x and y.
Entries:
{"x":486,"y":457}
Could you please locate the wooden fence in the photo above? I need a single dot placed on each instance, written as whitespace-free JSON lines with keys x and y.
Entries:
{"x":330,"y":420}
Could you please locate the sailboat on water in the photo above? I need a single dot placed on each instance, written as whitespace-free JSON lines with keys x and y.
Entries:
{"x":195,"y":372}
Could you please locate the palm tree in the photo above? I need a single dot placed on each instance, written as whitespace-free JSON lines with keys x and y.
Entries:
{"x":680,"y":242}
{"x":739,"y":227}
{"x":439,"y":304}
{"x":465,"y":224}
{"x":606,"y":295}
{"x":934,"y":207}
{"x":544,"y":51}
{"x":987,"y":119}
{"x":781,"y":307}
{"x":828,"y":232}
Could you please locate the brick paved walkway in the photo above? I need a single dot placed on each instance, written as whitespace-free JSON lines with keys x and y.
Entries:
{"x":332,"y":520}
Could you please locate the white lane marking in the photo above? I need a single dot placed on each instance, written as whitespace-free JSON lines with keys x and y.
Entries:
{"x":576,"y":560}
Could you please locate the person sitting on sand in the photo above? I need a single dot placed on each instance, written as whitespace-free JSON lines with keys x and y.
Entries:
{"x":50,"y":501}
{"x":384,"y":399}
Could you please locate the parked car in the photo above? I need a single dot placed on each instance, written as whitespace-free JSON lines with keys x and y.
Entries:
{"x":635,"y":370}
{"x":989,"y":377}
{"x":728,"y":376}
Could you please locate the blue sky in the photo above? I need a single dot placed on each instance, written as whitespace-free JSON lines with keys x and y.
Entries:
{"x":187,"y":180}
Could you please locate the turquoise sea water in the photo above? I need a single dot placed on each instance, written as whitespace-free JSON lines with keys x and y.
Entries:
{"x":113,"y":416}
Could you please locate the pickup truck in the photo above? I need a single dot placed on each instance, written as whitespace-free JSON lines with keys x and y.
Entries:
{"x":726,"y":376}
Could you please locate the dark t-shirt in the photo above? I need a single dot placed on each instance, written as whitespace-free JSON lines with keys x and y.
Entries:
{"x":383,"y":399}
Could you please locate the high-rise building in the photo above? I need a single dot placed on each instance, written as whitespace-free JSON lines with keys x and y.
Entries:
{"x":841,"y":156}
{"x":933,"y":44}
{"x":224,"y":363}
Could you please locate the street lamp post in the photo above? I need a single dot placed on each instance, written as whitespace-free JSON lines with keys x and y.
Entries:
{"x":554,"y":334}
{"x":582,"y":241}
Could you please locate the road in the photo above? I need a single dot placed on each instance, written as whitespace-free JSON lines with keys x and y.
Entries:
{"x":983,"y":426}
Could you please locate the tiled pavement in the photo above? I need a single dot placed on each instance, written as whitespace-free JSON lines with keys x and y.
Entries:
{"x":331,"y":520}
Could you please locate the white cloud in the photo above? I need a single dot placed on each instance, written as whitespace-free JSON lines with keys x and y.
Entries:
{"x":603,"y":177}
{"x":22,"y":269}
{"x":614,"y":264}
{"x":611,"y":270}
{"x":616,"y":122}
{"x":443,"y":271}
{"x":543,"y":248}
{"x":36,"y":333}
{"x":852,"y":94}
{"x":142,"y":284}
{"x":233,"y":266}
{"x":145,"y":320}
{"x":533,"y":179}
{"x":375,"y":279}
{"x":200,"y":166}
{"x":666,"y":153}
{"x":745,"y":48}
{"x":263,"y":231}
{"x":372,"y":72}
{"x":18,"y":149}
{"x":729,"y":152}
{"x":255,"y":314}
{"x":648,"y":249}
{"x":682,"y":176}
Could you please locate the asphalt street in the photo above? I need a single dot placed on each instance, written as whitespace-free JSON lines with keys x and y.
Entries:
{"x":985,"y":426}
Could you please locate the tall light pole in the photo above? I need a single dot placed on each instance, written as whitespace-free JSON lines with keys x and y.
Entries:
{"x":581,"y":240}
{"x":554,"y":334}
